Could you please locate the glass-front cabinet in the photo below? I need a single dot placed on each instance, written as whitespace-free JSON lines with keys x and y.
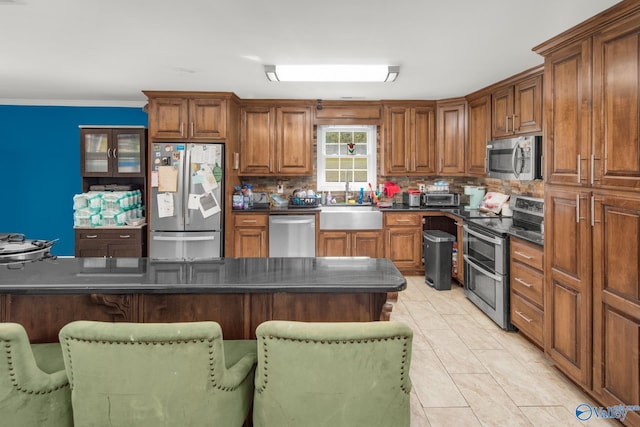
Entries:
{"x":112,"y":152}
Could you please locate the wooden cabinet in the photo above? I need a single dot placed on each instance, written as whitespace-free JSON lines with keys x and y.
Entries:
{"x":409,"y":146}
{"x":478,"y":134}
{"x":350,"y":243}
{"x":188,"y":117}
{"x":616,"y":302}
{"x":568,"y":285}
{"x":113,"y":151}
{"x":403,"y":241}
{"x":250,"y":235}
{"x":616,"y":105}
{"x":567,"y":114}
{"x":451,"y":125}
{"x":527,"y":289}
{"x":517,"y":108}
{"x":348,"y":112}
{"x":110,"y":242}
{"x":276,"y":139}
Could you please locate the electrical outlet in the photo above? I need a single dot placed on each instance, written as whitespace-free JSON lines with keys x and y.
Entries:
{"x":421,"y":188}
{"x":280,"y":189}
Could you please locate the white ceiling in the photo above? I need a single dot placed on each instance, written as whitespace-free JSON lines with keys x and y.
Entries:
{"x":105,"y":52}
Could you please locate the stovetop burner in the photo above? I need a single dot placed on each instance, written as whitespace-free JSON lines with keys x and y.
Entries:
{"x":528,"y":215}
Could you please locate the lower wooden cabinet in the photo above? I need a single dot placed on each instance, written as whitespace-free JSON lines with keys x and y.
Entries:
{"x":350,"y":243}
{"x":526,"y":291}
{"x":616,"y":300}
{"x":250,"y":235}
{"x":110,"y":242}
{"x":403,"y":241}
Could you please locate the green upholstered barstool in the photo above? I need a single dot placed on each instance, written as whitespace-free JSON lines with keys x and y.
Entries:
{"x":157,"y":374}
{"x":34,"y":389}
{"x":332,"y":374}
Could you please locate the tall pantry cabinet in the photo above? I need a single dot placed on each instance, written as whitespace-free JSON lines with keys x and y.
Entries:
{"x":592,"y":204}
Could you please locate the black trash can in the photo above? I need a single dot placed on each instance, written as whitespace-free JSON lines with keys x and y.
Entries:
{"x":436,"y":250}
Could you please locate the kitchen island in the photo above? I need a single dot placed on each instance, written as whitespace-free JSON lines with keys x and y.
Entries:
{"x":238,"y":293}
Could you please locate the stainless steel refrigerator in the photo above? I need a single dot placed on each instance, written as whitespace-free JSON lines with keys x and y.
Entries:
{"x":187,"y":196}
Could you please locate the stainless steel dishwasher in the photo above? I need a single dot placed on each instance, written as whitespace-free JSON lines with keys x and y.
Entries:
{"x":292,"y":236}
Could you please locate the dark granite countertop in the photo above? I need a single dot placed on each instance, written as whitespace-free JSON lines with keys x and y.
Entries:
{"x":223,"y":275}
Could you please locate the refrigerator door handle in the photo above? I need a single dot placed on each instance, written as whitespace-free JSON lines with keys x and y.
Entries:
{"x":183,"y":239}
{"x":187,"y":186}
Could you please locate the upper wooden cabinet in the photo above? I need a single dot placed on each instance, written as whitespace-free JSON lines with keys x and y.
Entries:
{"x":567,"y":114}
{"x":597,"y":147}
{"x":113,"y":152}
{"x":192,"y":116}
{"x":275,"y":139}
{"x":517,"y":108}
{"x":409,"y":144}
{"x":616,"y":105}
{"x":478,"y":134}
{"x":348,"y":112}
{"x":451,"y":136}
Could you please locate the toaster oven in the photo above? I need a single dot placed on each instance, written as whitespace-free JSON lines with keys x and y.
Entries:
{"x":440,"y":199}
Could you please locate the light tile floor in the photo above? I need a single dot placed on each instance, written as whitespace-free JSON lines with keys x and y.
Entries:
{"x":467,"y":371}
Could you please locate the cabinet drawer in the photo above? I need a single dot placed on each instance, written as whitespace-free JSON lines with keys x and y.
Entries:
{"x":395,"y":219}
{"x":528,"y":282}
{"x":527,"y":253}
{"x":124,"y":234}
{"x":527,"y":317}
{"x":250,"y":220}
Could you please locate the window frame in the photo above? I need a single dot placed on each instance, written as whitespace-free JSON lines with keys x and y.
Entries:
{"x":371,"y":156}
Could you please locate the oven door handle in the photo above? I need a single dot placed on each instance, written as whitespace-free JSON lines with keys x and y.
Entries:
{"x":481,"y":270}
{"x":481,"y":236}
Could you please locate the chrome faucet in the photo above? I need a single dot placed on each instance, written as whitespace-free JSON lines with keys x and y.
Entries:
{"x":346,"y":187}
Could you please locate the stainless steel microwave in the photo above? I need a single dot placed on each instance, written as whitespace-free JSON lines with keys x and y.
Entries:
{"x":515,"y":159}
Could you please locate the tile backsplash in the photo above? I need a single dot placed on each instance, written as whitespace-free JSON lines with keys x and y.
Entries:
{"x":456,"y":185}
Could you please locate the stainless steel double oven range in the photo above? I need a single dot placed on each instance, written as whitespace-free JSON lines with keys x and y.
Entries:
{"x":486,"y":254}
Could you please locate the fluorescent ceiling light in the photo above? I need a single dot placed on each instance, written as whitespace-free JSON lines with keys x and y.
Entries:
{"x":332,"y":73}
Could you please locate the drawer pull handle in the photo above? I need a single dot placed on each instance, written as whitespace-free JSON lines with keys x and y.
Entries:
{"x":523,"y":255}
{"x":249,"y":220}
{"x":125,"y":236}
{"x":522,"y":282}
{"x":91,"y":236}
{"x":403,"y":220}
{"x":524,"y":317}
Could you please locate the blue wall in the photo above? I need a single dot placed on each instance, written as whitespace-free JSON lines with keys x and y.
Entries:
{"x":40,"y":166}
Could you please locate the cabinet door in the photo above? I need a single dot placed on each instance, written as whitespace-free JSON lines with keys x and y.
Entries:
{"x":424,"y":141}
{"x":251,"y":242}
{"x":257,"y":140}
{"x":96,"y":152}
{"x":168,"y":117}
{"x":567,"y":88}
{"x":451,"y":138}
{"x":294,"y":130}
{"x":616,"y":291}
{"x":129,"y":152}
{"x":334,"y":243}
{"x":502,"y":112}
{"x":397,"y":123}
{"x":527,"y":107}
{"x":125,"y":250}
{"x":479,"y":134}
{"x":207,"y":118}
{"x":367,"y":243}
{"x":567,"y":293}
{"x":616,"y":98}
{"x":404,"y":247}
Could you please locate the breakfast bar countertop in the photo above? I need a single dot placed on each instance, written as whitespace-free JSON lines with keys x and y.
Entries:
{"x":219,"y":275}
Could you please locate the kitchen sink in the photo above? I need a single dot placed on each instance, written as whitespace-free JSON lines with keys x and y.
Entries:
{"x":350,"y":217}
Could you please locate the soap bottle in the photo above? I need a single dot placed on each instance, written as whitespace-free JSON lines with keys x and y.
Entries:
{"x":329,"y":198}
{"x":361,"y":196}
